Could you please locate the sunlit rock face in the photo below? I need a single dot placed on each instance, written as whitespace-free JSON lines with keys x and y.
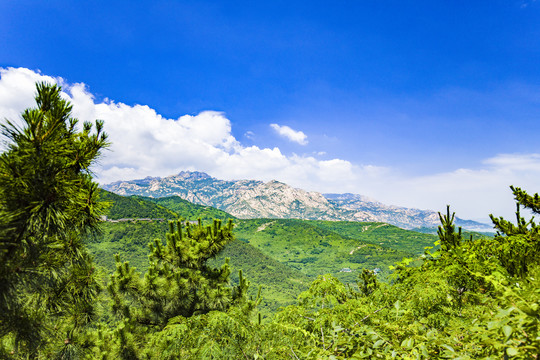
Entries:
{"x":256,"y":199}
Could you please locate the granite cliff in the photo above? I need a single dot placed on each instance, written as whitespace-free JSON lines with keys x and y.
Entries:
{"x":274,"y":199}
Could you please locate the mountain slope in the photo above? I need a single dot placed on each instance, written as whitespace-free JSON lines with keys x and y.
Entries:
{"x":381,"y":234}
{"x":396,"y":215}
{"x":188,"y":210}
{"x":281,"y":255}
{"x":141,"y":207}
{"x":243,"y":198}
{"x":133,"y":207}
{"x":314,"y":250}
{"x":280,"y":284}
{"x":255,"y":199}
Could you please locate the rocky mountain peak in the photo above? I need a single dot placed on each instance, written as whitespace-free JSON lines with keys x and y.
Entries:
{"x":192,"y":175}
{"x":274,"y":199}
{"x":350,"y":197}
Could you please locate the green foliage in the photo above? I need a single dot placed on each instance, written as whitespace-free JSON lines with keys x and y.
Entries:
{"x":448,"y":237}
{"x":466,"y":234}
{"x":179,"y":284}
{"x":467,"y":300}
{"x":190,"y":211}
{"x":518,"y":246}
{"x":129,"y":239}
{"x":512,"y":328}
{"x":387,"y":235}
{"x":526,"y":200}
{"x":368,"y":282}
{"x":310,"y":247}
{"x":325,"y":292}
{"x":282,"y":281}
{"x":280,"y":284}
{"x":133,"y":207}
{"x":48,"y":201}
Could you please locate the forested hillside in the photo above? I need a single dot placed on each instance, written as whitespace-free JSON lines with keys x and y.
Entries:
{"x":190,"y":211}
{"x":314,"y":250}
{"x":311,"y":247}
{"x":381,"y":234}
{"x":282,"y":256}
{"x":463,"y":298}
{"x":280,"y":283}
{"x":167,"y":208}
{"x":133,"y":207}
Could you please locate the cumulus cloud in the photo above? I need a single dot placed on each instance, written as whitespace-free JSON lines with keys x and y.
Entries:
{"x":144,"y":143}
{"x":18,"y":89}
{"x":290,"y":134}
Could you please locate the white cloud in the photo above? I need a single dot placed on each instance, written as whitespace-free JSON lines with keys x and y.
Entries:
{"x":472,"y":193}
{"x":144,"y":143}
{"x":17,"y":90}
{"x":293,"y":135}
{"x":515,"y":162}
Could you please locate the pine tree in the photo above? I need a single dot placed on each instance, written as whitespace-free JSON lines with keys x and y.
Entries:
{"x":518,"y":245}
{"x":528,"y":201}
{"x":179,"y":283}
{"x":47,"y":202}
{"x":449,"y":238}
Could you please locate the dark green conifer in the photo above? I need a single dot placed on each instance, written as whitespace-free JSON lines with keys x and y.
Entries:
{"x":47,"y":201}
{"x":178,"y":283}
{"x":449,"y":238}
{"x":367,"y":282}
{"x":518,"y":245}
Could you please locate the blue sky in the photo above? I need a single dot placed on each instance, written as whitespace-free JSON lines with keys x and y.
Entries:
{"x":380,"y":98}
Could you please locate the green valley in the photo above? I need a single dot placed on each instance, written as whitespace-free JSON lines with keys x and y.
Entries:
{"x":381,"y":234}
{"x":311,"y":248}
{"x":280,"y":255}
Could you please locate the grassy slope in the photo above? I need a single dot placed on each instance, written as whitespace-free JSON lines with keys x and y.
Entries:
{"x":280,"y":284}
{"x":190,"y":211}
{"x":132,"y":207}
{"x":381,"y":234}
{"x":315,"y":250}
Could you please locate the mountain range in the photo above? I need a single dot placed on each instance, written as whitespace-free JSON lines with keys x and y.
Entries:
{"x":247,"y":199}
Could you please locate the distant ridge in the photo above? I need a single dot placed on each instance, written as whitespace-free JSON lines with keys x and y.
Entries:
{"x":120,"y":207}
{"x":248,"y":199}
